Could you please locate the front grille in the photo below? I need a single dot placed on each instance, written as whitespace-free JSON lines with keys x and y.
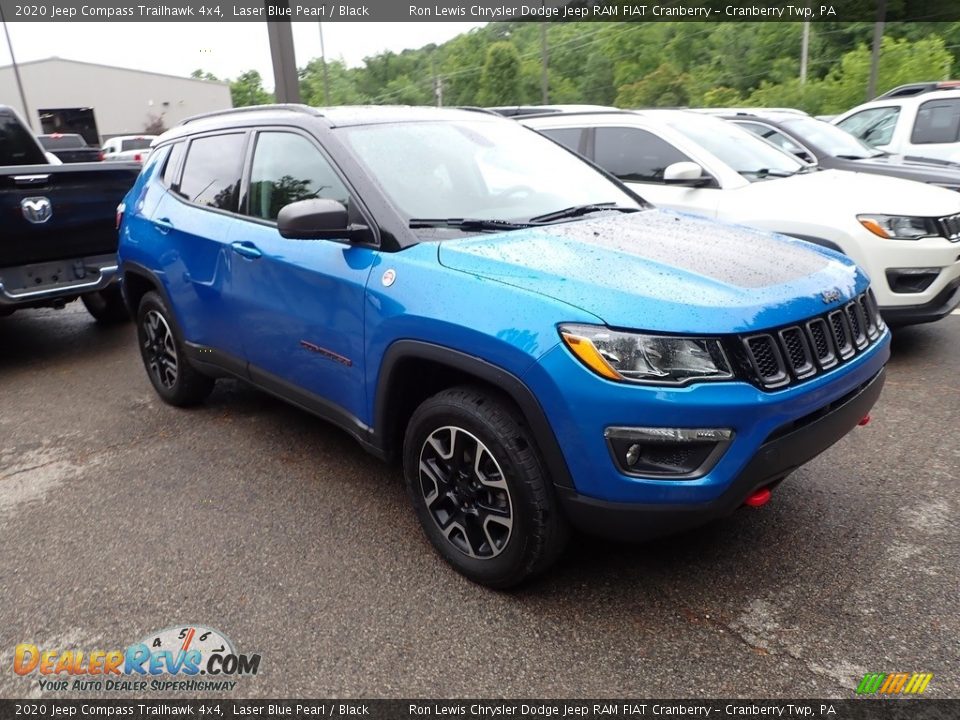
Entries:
{"x":795,"y":353}
{"x":950,"y":226}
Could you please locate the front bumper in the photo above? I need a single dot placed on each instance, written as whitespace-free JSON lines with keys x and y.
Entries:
{"x":881,"y":258}
{"x":940,"y":306}
{"x":786,"y":449}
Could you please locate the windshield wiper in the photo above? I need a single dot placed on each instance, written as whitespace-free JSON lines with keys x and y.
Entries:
{"x":578,"y":210}
{"x":767,"y":172}
{"x":465,"y":224}
{"x":855,"y":157}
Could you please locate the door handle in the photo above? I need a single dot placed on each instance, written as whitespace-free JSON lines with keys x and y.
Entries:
{"x":163,"y":225}
{"x":247,"y":249}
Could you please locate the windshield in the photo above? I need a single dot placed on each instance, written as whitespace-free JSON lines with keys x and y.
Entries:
{"x":135,"y":144}
{"x":486,"y":169}
{"x":830,"y":138}
{"x":743,"y":151}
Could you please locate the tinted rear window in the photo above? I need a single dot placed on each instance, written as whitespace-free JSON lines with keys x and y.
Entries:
{"x":135,"y":144}
{"x":211,"y":172}
{"x":62,"y":142}
{"x":938,"y":121}
{"x":17,"y":145}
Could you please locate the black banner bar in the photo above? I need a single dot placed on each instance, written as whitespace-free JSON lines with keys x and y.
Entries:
{"x":853,"y":709}
{"x":476,"y":11}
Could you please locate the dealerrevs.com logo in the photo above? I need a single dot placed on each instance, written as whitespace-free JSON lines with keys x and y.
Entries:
{"x":186,"y":658}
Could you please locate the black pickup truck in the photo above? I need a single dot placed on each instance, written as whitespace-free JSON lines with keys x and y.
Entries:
{"x":70,"y":148}
{"x":58,"y":234}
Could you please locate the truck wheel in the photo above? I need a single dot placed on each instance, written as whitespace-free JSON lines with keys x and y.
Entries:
{"x":479,"y":488}
{"x":175,"y":380}
{"x":106,"y":306}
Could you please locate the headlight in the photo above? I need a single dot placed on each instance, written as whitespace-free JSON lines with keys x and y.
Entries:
{"x":899,"y":227}
{"x":649,"y":359}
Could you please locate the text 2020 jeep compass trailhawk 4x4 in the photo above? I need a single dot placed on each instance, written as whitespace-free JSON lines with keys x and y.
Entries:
{"x":538,"y":345}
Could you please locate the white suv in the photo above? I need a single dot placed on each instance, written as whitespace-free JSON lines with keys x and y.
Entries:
{"x":916,"y":120}
{"x":904,"y":234}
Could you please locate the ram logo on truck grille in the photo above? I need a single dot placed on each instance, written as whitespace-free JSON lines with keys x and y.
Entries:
{"x":36,"y":209}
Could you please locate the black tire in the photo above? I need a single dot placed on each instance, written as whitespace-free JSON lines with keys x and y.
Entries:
{"x":106,"y":306}
{"x":497,"y":472}
{"x":162,"y":350}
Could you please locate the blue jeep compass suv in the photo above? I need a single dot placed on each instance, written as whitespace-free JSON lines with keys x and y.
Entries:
{"x":538,"y":346}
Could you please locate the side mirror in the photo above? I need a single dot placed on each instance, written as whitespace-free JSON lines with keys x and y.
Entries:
{"x":318,"y":219}
{"x":685,"y":173}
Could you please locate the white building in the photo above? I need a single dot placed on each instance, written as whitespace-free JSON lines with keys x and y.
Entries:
{"x":72,"y":96}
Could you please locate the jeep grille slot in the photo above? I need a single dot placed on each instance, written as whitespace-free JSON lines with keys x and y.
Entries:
{"x":794,"y":353}
{"x":951,"y":227}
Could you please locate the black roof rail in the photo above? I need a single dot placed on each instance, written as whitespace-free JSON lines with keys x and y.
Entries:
{"x":912,"y":89}
{"x":289,"y":107}
{"x":572,"y":113}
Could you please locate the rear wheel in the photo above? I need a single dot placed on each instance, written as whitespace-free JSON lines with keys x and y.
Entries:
{"x":175,"y":380}
{"x":106,"y":305}
{"x":479,"y":489}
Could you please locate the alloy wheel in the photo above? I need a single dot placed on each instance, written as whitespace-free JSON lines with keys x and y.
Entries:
{"x":160,"y":350}
{"x":465,"y":492}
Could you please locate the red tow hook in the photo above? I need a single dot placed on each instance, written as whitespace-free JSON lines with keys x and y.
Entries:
{"x":758,"y":498}
{"x":865,"y":420}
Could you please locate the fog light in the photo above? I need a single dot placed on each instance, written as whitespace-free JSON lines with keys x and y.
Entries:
{"x":911,"y":280}
{"x":679,"y":453}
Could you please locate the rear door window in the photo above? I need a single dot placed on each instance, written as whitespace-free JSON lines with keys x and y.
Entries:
{"x":172,"y":168}
{"x":212,"y":170}
{"x":938,"y":121}
{"x":570,"y":138}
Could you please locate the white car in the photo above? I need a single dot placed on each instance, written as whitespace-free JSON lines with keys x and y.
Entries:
{"x":904,"y":234}
{"x":128,"y":147}
{"x":920,"y":120}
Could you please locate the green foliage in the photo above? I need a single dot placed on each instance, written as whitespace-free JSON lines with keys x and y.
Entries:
{"x":247,"y":89}
{"x":500,"y":80}
{"x":639,"y":64}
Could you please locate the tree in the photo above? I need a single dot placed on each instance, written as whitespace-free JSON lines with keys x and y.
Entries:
{"x":155,"y":124}
{"x":500,"y":79}
{"x":247,"y":89}
{"x":200,"y":74}
{"x":664,"y":87}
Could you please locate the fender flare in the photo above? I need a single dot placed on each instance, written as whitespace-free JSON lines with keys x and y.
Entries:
{"x":507,"y":382}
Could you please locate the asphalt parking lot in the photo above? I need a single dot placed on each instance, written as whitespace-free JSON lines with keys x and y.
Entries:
{"x":120,"y":516}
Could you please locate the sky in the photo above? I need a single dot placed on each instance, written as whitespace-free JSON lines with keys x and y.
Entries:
{"x":224,"y":49}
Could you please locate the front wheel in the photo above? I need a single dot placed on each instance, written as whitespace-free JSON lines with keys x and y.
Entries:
{"x":479,"y":489}
{"x":175,"y":380}
{"x":106,"y":306}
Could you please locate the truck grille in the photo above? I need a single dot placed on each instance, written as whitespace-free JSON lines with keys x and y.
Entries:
{"x":791,"y":354}
{"x":951,"y":227}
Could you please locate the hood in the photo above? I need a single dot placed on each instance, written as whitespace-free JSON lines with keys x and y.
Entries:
{"x":861,"y":193}
{"x":660,"y":271}
{"x":901,"y":167}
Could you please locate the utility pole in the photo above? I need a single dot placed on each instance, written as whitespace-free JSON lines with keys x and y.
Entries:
{"x":438,"y":89}
{"x":804,"y":51}
{"x":285,"y":77}
{"x":544,"y":77}
{"x":323,"y":61}
{"x":16,"y":70}
{"x":875,"y":51}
